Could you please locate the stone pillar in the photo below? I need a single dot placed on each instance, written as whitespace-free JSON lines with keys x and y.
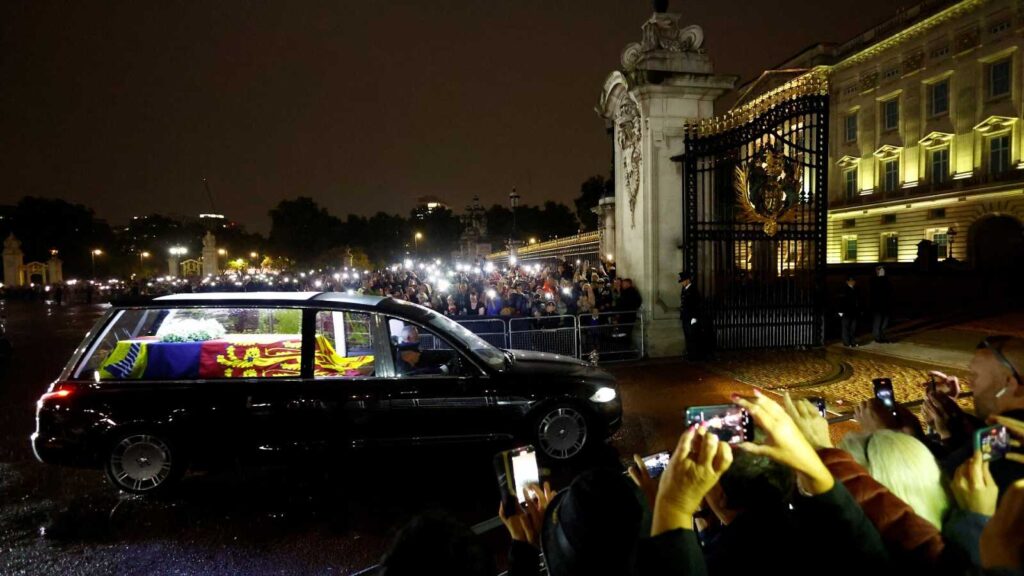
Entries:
{"x":605,"y":211}
{"x":666,"y":79}
{"x":13,"y":261}
{"x":211,"y":266}
{"x":55,"y":270}
{"x":172,"y":265}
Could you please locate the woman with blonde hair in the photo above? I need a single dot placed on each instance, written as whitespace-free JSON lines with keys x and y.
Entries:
{"x":906,"y":467}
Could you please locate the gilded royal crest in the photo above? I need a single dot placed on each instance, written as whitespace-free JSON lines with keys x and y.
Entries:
{"x":768,"y":187}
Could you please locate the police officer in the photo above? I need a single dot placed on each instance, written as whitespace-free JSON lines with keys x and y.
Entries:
{"x":690,"y":316}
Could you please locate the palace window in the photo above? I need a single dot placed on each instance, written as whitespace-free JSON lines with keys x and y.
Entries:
{"x":891,"y":73}
{"x":850,"y":183}
{"x":851,"y":127}
{"x":938,"y":98}
{"x":938,"y":163}
{"x":890,"y":246}
{"x":890,"y":175}
{"x":888,"y":218}
{"x":998,"y":154}
{"x":999,"y":78}
{"x":936,"y":213}
{"x":849,"y":248}
{"x":940,"y":238}
{"x":891,"y":114}
{"x":849,"y":223}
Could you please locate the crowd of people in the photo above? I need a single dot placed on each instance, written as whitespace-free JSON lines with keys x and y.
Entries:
{"x":476,"y":289}
{"x":895,"y":497}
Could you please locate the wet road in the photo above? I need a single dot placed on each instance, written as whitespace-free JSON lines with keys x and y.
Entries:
{"x":325,"y":516}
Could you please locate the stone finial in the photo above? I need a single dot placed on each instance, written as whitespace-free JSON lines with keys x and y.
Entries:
{"x":11,"y":244}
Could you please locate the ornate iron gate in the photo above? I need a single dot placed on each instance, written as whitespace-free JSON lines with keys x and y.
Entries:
{"x":754,"y":217}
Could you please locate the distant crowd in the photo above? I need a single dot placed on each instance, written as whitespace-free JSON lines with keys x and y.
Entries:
{"x":564,"y":288}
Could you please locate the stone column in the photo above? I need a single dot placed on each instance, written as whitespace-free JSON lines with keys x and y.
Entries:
{"x":666,"y":79}
{"x":173,"y":267}
{"x":605,"y":211}
{"x":211,"y":265}
{"x":55,"y":270}
{"x":14,"y":258}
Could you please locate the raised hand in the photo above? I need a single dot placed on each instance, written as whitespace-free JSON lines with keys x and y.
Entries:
{"x":785,"y":443}
{"x":810,"y":422}
{"x":642,"y":478}
{"x":973,"y":486}
{"x":1002,"y":540}
{"x":698,"y":462}
{"x":525,"y":522}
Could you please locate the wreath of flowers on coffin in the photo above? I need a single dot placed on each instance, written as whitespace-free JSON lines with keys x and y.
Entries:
{"x":190,"y":330}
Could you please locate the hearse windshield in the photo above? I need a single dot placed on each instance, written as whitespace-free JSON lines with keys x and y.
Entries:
{"x":483,"y":350}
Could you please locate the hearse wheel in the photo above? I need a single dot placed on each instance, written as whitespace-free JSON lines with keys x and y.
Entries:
{"x":140,"y":462}
{"x":561,"y":431}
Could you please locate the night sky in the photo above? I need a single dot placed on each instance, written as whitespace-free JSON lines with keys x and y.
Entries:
{"x":363,"y":106}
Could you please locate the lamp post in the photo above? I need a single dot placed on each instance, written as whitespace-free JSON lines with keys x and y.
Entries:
{"x":950,"y":236}
{"x":142,"y":256}
{"x":416,"y":242}
{"x":93,"y":254}
{"x":176,"y":252}
{"x":513,"y":201}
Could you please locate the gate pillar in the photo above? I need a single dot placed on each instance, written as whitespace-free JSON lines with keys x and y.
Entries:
{"x":665,"y":80}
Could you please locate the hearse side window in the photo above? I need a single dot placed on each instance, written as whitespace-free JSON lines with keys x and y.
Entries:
{"x":344,"y":345}
{"x":419,"y":352}
{"x":198,"y":343}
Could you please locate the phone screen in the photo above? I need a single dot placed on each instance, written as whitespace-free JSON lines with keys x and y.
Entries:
{"x":727,"y":421}
{"x":524,"y":470}
{"x":993,"y":442}
{"x":656,"y":463}
{"x":884,"y":392}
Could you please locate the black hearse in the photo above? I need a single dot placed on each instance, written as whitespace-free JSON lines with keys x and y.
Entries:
{"x":202,"y":379}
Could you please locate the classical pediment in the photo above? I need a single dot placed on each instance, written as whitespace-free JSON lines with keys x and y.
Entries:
{"x":888,"y":152}
{"x":995,"y":124}
{"x":934,"y":139}
{"x":848,"y":161}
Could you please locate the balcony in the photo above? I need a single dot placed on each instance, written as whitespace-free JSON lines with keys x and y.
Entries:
{"x":975,"y":183}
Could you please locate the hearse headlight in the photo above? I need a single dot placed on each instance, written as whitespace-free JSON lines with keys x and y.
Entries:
{"x":603,"y":394}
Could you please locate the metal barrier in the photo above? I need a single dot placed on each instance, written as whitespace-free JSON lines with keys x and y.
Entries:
{"x":611,"y":336}
{"x":493,"y":330}
{"x":554,"y":334}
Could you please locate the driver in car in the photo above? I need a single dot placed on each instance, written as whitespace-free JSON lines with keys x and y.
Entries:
{"x":409,"y":355}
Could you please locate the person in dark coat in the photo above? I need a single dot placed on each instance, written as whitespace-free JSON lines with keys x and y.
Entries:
{"x":881,"y":303}
{"x":690,"y":316}
{"x":849,"y":307}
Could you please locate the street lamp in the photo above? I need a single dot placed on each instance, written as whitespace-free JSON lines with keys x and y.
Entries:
{"x":178,"y":250}
{"x":416,"y":242}
{"x":222,"y":252}
{"x":93,"y":254}
{"x":513,"y":201}
{"x":142,"y":256}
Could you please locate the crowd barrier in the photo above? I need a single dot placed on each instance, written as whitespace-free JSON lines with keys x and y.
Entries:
{"x":602,"y":337}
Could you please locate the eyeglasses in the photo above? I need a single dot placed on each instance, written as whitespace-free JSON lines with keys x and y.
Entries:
{"x":994,"y":345}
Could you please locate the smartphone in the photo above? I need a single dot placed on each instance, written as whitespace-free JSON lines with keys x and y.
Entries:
{"x":656,"y":463}
{"x":819,"y":403}
{"x":993,"y":442}
{"x":516,"y":469}
{"x":883,"y":391}
{"x":729,"y":422}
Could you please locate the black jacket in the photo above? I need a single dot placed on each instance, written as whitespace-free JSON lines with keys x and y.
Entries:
{"x":881,"y":294}
{"x":689,"y":304}
{"x":849,"y":300}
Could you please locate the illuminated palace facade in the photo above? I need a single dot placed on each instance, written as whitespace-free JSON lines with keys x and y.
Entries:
{"x":925,"y":134}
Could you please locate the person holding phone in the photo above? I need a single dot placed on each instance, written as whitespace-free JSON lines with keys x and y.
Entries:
{"x":998,"y":389}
